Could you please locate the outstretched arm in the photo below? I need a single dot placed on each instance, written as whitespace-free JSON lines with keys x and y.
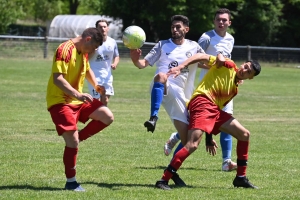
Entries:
{"x":135,"y":57}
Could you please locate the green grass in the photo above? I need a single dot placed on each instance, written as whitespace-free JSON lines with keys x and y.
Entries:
{"x":124,"y":161}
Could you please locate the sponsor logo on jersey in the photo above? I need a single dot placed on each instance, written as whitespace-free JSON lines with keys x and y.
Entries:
{"x":102,"y":58}
{"x":173,"y":64}
{"x":188,"y":54}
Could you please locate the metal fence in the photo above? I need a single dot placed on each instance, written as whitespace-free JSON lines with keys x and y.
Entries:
{"x":25,"y":47}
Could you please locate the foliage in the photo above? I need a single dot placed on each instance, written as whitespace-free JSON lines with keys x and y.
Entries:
{"x":10,"y":12}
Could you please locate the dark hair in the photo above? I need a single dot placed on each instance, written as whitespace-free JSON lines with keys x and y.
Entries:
{"x":256,"y":66}
{"x":102,"y":20}
{"x":94,"y":33}
{"x":222,"y":11}
{"x":182,"y":18}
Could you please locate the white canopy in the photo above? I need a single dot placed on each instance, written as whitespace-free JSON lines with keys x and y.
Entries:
{"x":69,"y":26}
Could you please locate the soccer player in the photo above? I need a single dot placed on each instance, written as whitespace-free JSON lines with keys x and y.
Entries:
{"x":105,"y":58}
{"x":216,"y":89}
{"x":212,"y":42}
{"x":172,"y":93}
{"x":68,"y":105}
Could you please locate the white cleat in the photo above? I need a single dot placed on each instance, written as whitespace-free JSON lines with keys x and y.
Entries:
{"x":228,"y":165}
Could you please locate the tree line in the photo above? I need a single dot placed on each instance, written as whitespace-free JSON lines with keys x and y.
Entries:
{"x":254,"y":22}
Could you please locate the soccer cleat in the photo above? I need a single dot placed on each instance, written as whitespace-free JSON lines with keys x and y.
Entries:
{"x":178,"y":181}
{"x":162,"y":185}
{"x":243,"y":182}
{"x":170,"y":144}
{"x":228,"y":165}
{"x":74,"y":186}
{"x":150,"y":125}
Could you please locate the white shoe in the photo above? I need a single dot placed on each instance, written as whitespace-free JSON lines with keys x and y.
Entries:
{"x":228,"y":165}
{"x":170,"y":144}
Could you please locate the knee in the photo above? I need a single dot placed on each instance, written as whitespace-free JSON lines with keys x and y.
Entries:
{"x":160,"y":77}
{"x":245,"y":135}
{"x":191,"y":147}
{"x":109,"y":118}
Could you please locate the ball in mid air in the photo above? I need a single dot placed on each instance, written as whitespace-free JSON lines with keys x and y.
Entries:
{"x":134,"y":37}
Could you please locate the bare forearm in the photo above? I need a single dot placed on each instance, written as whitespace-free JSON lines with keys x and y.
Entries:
{"x":60,"y":82}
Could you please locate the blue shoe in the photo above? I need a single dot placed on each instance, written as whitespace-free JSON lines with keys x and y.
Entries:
{"x":74,"y":186}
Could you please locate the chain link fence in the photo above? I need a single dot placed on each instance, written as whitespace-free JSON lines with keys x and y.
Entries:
{"x":23,"y":47}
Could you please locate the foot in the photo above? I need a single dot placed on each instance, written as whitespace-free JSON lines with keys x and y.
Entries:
{"x":150,"y":124}
{"x":74,"y":186}
{"x":170,"y":144}
{"x":228,"y":165}
{"x":178,"y":181}
{"x":162,"y":185}
{"x":243,"y":182}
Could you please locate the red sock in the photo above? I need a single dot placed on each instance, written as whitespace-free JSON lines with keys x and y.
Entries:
{"x":176,"y":162}
{"x":91,"y":129}
{"x":70,"y":155}
{"x":242,"y":157}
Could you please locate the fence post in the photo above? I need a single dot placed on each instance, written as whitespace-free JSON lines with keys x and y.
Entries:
{"x":248,"y":52}
{"x":46,"y":47}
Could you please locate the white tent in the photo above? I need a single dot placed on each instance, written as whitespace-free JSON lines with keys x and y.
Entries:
{"x":69,"y":26}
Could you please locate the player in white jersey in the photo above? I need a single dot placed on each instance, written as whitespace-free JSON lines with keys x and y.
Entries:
{"x":171,"y":92}
{"x":105,"y":58}
{"x":213,"y":42}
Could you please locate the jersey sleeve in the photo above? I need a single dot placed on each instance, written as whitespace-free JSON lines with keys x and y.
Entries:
{"x":116,"y":50}
{"x":62,"y":58}
{"x":154,"y":54}
{"x":204,"y":41}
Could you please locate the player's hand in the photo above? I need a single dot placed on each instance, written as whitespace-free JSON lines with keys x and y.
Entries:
{"x":212,"y":148}
{"x":85,"y":97}
{"x":113,"y":66}
{"x":175,"y":71}
{"x":135,"y":54}
{"x":100,"y":89}
{"x":220,"y":60}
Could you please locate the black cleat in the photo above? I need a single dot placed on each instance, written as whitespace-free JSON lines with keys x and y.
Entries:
{"x":150,"y":125}
{"x":178,"y":181}
{"x":74,"y":186}
{"x":243,"y":182}
{"x":162,"y":185}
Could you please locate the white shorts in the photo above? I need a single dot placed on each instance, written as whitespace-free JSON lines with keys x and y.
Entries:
{"x":108,"y":87}
{"x":229,"y":107}
{"x":174,"y":102}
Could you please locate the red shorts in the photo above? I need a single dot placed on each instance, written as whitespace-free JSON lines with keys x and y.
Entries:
{"x":66,"y":116}
{"x":206,"y":116}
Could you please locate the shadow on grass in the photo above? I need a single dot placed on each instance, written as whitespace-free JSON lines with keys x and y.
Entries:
{"x":27,"y":187}
{"x":181,"y":168}
{"x":117,"y":186}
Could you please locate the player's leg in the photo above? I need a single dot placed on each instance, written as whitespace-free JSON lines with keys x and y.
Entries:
{"x":233,"y":127}
{"x":226,"y":144}
{"x":109,"y":91}
{"x":101,"y":118}
{"x":170,"y":144}
{"x":157,"y":94}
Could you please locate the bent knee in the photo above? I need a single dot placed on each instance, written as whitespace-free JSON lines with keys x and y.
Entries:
{"x":160,"y":77}
{"x":245,"y":135}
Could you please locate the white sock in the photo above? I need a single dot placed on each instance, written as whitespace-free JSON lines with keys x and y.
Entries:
{"x":71,"y":179}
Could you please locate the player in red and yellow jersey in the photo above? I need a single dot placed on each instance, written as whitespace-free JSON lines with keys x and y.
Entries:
{"x":67,"y":103}
{"x":217,"y":88}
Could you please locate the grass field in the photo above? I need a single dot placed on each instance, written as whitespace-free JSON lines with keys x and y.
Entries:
{"x":124,"y":161}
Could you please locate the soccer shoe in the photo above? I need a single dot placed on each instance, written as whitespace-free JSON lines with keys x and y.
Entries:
{"x":150,"y":125}
{"x":228,"y":165}
{"x":243,"y":182}
{"x":162,"y":185}
{"x":74,"y":186}
{"x":178,"y":181}
{"x":170,"y":144}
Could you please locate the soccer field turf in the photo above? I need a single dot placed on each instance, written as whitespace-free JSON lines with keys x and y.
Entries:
{"x":124,"y":161}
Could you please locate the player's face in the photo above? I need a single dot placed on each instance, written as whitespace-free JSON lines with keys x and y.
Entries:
{"x":222,"y":22}
{"x":245,"y":71}
{"x":102,"y":26}
{"x":178,"y":30}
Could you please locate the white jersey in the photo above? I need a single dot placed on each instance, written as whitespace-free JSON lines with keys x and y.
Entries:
{"x":101,"y":60}
{"x":212,"y":43}
{"x":167,"y":54}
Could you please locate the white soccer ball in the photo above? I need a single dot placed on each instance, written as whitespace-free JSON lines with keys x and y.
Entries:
{"x":134,"y":37}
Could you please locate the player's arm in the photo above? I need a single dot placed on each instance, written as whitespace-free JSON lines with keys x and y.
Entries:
{"x":64,"y":85}
{"x":90,"y":77}
{"x":135,"y":57}
{"x":115,"y":63}
{"x":211,"y":145}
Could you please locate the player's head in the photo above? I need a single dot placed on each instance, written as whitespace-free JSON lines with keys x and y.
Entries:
{"x":103,"y":26}
{"x":222,"y":20}
{"x":248,"y":70}
{"x":92,"y":38}
{"x":179,"y":26}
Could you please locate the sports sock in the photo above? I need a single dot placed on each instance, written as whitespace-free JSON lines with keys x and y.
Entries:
{"x":73,"y":179}
{"x":226,"y":145}
{"x":177,"y":136}
{"x":157,"y":94}
{"x":69,"y":159}
{"x":242,"y":157}
{"x":176,"y":163}
{"x":91,"y":129}
{"x":179,"y":146}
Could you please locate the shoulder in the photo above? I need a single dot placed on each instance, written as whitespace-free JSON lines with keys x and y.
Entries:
{"x":230,"y":64}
